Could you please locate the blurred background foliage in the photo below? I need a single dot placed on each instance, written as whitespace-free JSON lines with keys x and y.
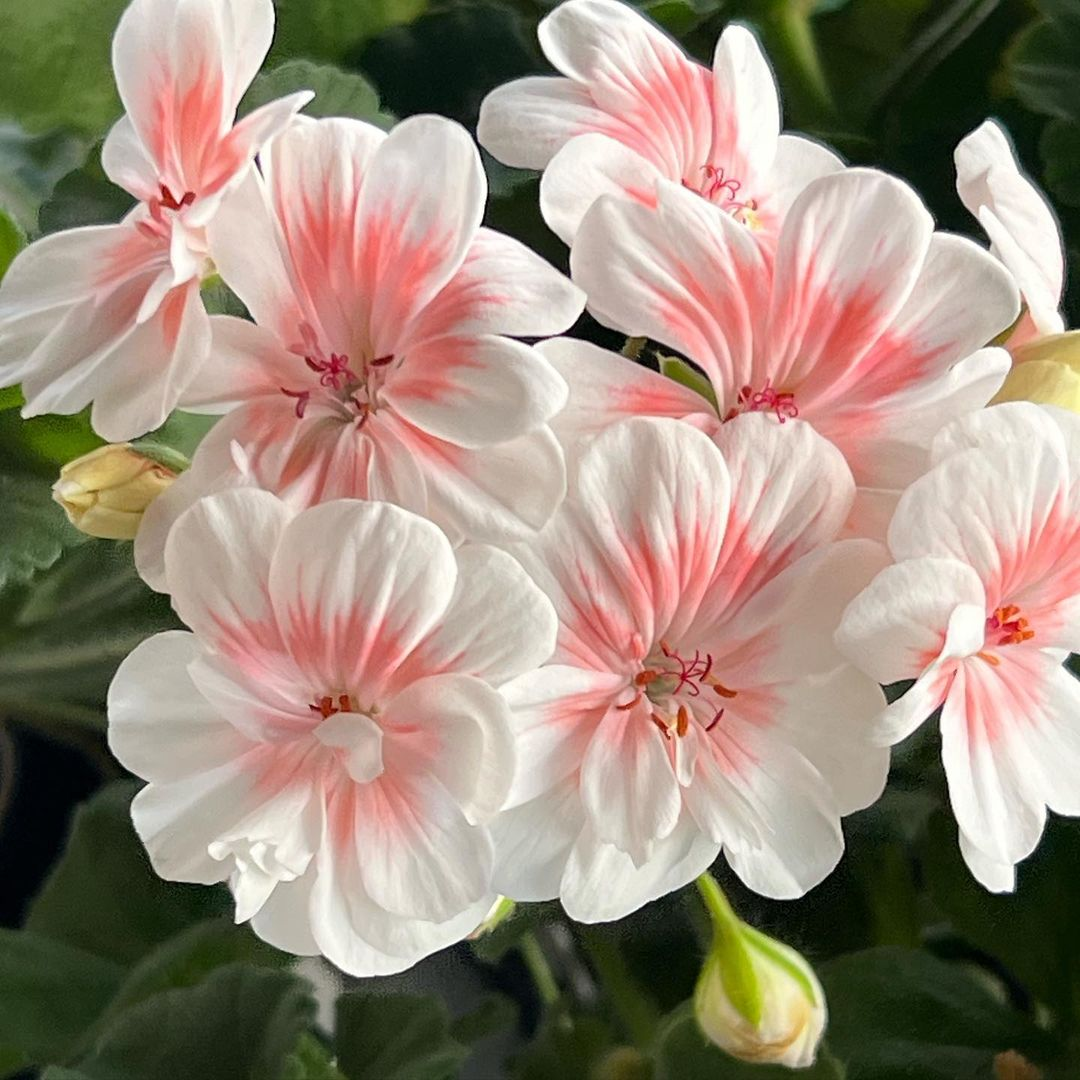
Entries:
{"x":107,"y":973}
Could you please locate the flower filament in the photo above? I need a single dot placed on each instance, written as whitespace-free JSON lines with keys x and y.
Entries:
{"x":767,"y":399}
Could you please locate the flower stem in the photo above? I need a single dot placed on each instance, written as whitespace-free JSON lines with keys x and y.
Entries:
{"x":636,"y":1013}
{"x":539,"y":969}
{"x":719,"y":907}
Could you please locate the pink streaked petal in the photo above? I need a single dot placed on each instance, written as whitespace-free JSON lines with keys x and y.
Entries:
{"x":350,"y":621}
{"x":841,"y":279}
{"x":498,"y":625}
{"x":897,"y":626}
{"x":420,"y":857}
{"x":659,"y":99}
{"x":181,"y":71}
{"x":415,"y":227}
{"x":628,"y":785}
{"x":681,"y":274}
{"x":475,"y":391}
{"x":1017,"y":218}
{"x":524,"y":123}
{"x":126,"y":162}
{"x":460,"y":729}
{"x":554,"y":712}
{"x":602,"y":883}
{"x":230,"y":538}
{"x":587,"y":167}
{"x":502,"y":288}
{"x":746,"y":109}
{"x":498,"y":493}
{"x":606,"y":388}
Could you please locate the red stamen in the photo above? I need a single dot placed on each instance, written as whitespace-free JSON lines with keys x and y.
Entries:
{"x":629,"y":704}
{"x":714,"y":721}
{"x":168,"y":200}
{"x":302,"y":399}
{"x":382,"y":361}
{"x":661,"y":725}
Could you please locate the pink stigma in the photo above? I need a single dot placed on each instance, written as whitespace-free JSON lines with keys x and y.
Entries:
{"x":334,"y":372}
{"x":691,"y":673}
{"x":767,"y":399}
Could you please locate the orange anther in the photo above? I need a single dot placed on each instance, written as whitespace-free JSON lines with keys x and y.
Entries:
{"x":629,"y":704}
{"x":643,"y":678}
{"x":722,"y":690}
{"x":658,"y":721}
{"x":990,"y":658}
{"x":682,"y":721}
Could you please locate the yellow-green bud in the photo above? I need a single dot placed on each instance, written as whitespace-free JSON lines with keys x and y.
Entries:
{"x":756,"y":998}
{"x":1046,"y":371}
{"x":104,"y":493}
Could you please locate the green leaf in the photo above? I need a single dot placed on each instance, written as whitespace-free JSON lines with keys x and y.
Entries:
{"x":331,"y":29}
{"x":49,"y":994}
{"x":396,"y":1037}
{"x":12,"y":241}
{"x":683,"y":1053}
{"x":496,"y":1012}
{"x":1060,"y":150}
{"x":310,"y":1061}
{"x":337,"y":92}
{"x":187,"y":958}
{"x":55,"y":65}
{"x":30,"y":165}
{"x":239,"y":1024}
{"x":565,"y":1046}
{"x":104,"y":897}
{"x":36,"y":531}
{"x":898,"y":1013}
{"x":62,"y":640}
{"x":84,"y":196}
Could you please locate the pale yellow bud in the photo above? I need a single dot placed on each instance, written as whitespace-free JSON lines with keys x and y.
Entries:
{"x":757,"y":999}
{"x":788,"y":1021}
{"x":105,"y":492}
{"x":1046,"y":371}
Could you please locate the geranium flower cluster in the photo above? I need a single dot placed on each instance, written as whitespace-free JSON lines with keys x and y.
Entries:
{"x":472,"y":616}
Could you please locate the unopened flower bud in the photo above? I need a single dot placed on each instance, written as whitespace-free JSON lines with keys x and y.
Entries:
{"x":1046,"y":371}
{"x":756,"y":998}
{"x":104,"y":493}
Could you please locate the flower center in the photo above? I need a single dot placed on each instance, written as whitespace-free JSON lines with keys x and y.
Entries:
{"x":720,"y":188}
{"x":328,"y":705}
{"x":668,"y":677}
{"x":1006,"y":626}
{"x":341,"y":384}
{"x":767,"y":399}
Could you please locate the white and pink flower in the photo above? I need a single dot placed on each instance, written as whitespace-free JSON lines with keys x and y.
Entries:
{"x":1021,"y":226}
{"x":631,"y":108}
{"x":981,"y":609}
{"x":112,"y":314}
{"x":329,"y":738}
{"x":865,"y":322}
{"x":380,"y":364}
{"x":695,"y":700}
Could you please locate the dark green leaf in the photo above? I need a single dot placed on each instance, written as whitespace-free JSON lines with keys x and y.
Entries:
{"x":337,"y":92}
{"x":683,"y":1053}
{"x":899,"y":1013}
{"x":85,"y":196}
{"x":35,"y":529}
{"x":55,"y":68}
{"x":310,"y":1061}
{"x":396,"y":1037}
{"x":104,"y":897}
{"x":239,"y":1024}
{"x":1060,"y":148}
{"x":49,"y":993}
{"x":496,"y":1012}
{"x":330,"y":29}
{"x":565,"y":1046}
{"x":30,"y":165}
{"x":62,"y":640}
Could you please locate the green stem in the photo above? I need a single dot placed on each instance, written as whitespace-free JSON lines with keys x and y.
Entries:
{"x":723,"y":914}
{"x":792,"y":39}
{"x":539,"y":969}
{"x":636,"y":1013}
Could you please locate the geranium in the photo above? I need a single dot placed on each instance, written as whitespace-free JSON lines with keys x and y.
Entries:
{"x":634,"y":108}
{"x":695,"y":699}
{"x":112,"y":314}
{"x":329,"y":738}
{"x":865,"y":322}
{"x":981,"y":608}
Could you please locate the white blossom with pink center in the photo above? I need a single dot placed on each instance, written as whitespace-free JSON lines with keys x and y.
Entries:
{"x":381,"y":365}
{"x":981,"y":608}
{"x":632,"y":108}
{"x":1023,"y":231}
{"x":330,"y":738}
{"x":695,"y":700}
{"x":112,"y":314}
{"x":865,"y":322}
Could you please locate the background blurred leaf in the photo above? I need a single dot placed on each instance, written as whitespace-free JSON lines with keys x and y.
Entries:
{"x":241,"y":1023}
{"x":337,"y":92}
{"x":897,"y":1013}
{"x":84,"y":196}
{"x":395,"y":1037}
{"x":50,"y":992}
{"x":55,"y":66}
{"x":12,"y":241}
{"x":35,"y":531}
{"x":329,"y":29}
{"x":1060,"y":149}
{"x":310,"y":1061}
{"x":30,"y":165}
{"x":104,"y":897}
{"x":565,"y":1046}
